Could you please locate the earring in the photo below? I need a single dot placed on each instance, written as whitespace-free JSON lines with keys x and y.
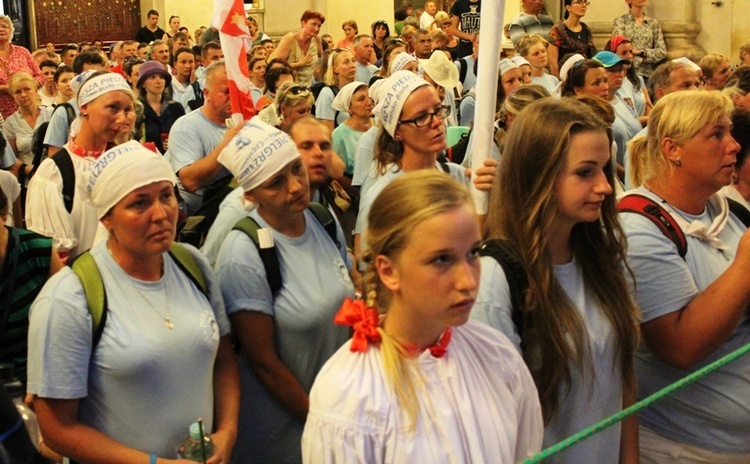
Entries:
{"x":85,"y":115}
{"x":678,"y":163}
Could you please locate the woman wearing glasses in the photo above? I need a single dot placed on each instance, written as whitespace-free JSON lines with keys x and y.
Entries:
{"x":570,"y":36}
{"x":413,"y":136}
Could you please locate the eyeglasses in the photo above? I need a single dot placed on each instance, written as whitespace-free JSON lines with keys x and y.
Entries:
{"x":426,"y":119}
{"x":130,"y":58}
{"x":299,"y":90}
{"x":581,"y":2}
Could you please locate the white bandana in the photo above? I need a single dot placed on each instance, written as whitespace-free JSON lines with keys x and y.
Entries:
{"x":256,"y":153}
{"x":119,"y":171}
{"x":393,"y":95}
{"x":708,"y":234}
{"x":400,"y":61}
{"x":97,"y":86}
{"x":344,"y":97}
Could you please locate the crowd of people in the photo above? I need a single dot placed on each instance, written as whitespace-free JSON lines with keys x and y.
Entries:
{"x":315,"y":283}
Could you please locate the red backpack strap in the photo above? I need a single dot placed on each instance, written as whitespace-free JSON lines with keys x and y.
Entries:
{"x":646,"y":207}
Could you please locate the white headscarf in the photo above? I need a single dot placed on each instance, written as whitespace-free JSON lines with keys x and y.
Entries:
{"x":400,"y":61}
{"x":256,"y":153}
{"x":344,"y":97}
{"x":119,"y":171}
{"x":89,"y":89}
{"x":393,"y":94}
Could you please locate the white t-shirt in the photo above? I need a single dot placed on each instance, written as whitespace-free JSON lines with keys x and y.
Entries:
{"x":144,"y":384}
{"x":16,"y":128}
{"x":46,"y":213}
{"x":592,"y":397}
{"x":477,"y":404}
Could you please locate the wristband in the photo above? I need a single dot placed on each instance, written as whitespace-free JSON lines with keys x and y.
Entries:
{"x":152,"y":459}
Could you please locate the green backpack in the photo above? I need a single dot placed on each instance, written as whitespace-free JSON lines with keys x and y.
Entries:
{"x":87,"y":271}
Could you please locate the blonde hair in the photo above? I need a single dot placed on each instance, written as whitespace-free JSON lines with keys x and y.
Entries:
{"x":514,"y":103}
{"x":441,"y":17}
{"x":399,"y":208}
{"x":528,"y":41}
{"x":331,"y":78}
{"x":21,"y":77}
{"x":710,"y":62}
{"x":289,"y":100}
{"x":555,"y":335}
{"x":679,"y":116}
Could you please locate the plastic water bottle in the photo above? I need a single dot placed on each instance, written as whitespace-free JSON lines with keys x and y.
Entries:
{"x":195,"y":444}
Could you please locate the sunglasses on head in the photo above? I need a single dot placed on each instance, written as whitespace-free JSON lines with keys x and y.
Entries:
{"x":299,"y":90}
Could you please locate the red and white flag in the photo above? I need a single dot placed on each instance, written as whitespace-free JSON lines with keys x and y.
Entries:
{"x":229,"y":19}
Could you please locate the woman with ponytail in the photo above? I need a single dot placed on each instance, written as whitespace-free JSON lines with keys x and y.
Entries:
{"x":418,"y":381}
{"x":694,"y":300}
{"x":575,"y":323}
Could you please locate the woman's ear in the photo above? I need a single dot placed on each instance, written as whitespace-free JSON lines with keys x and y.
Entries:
{"x":387,"y":273}
{"x":250,"y":197}
{"x":671,"y":149}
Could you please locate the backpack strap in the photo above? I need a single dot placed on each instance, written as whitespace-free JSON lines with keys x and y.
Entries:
{"x":648,"y":208}
{"x":268,"y":256}
{"x":87,"y":271}
{"x":742,"y":213}
{"x":505,"y":253}
{"x":189,"y":265}
{"x":325,"y":218}
{"x":71,"y":113}
{"x":65,"y":165}
{"x":462,"y":69}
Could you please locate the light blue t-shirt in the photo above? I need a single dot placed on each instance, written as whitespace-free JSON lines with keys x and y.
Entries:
{"x":345,"y":140}
{"x":466,"y":108}
{"x":324,"y":110}
{"x":144,"y":384}
{"x":58,"y":130}
{"x":470,"y":79}
{"x":316,"y":281}
{"x":548,"y":81}
{"x":625,"y":127}
{"x":714,"y":412}
{"x":628,"y":90}
{"x":365,"y":72}
{"x":364,"y":155}
{"x":191,"y":138}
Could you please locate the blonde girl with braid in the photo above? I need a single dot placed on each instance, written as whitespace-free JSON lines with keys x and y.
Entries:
{"x":419,"y":381}
{"x":575,"y":324}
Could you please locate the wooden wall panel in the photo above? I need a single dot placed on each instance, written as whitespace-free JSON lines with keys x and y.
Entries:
{"x":64,"y":21}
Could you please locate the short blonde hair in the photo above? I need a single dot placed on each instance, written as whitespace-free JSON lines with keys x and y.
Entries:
{"x":710,"y":63}
{"x":441,"y":17}
{"x":21,"y":77}
{"x":525,"y":44}
{"x":287,"y":99}
{"x":679,"y":116}
{"x":9,"y":22}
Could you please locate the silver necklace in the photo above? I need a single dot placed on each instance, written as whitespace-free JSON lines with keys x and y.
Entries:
{"x":168,"y":318}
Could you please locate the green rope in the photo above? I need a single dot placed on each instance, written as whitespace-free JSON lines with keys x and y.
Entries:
{"x":644,"y":403}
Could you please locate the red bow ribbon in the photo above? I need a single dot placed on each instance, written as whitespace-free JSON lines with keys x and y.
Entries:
{"x":438,"y":350}
{"x":363,"y":320}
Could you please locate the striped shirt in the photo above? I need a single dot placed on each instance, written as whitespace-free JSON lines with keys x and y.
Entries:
{"x":31,"y":254}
